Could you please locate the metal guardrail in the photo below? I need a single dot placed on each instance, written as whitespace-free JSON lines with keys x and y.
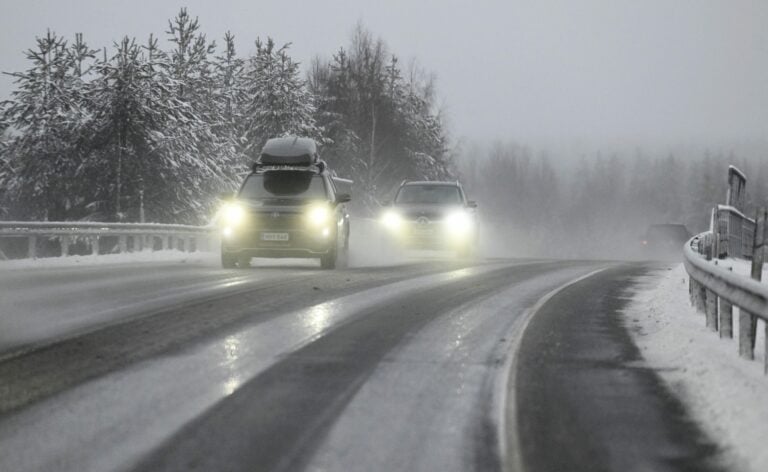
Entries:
{"x":715,"y":291}
{"x":129,"y":236}
{"x":735,"y":232}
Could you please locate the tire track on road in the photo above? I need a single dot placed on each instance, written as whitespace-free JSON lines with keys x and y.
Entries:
{"x":276,"y":420}
{"x":35,"y":374}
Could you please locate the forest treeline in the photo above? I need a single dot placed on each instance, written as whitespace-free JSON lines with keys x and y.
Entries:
{"x":141,"y":132}
{"x":604,"y":204}
{"x":154,"y":130}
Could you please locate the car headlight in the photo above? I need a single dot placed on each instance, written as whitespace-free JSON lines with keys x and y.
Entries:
{"x":458,"y":222}
{"x":234,"y":214}
{"x":391,"y":220}
{"x":319,"y":215}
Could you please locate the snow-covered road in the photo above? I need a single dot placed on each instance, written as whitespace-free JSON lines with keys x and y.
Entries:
{"x":180,"y":365}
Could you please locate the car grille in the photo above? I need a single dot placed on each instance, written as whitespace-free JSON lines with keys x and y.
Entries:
{"x":431,"y":215}
{"x":277,"y":220}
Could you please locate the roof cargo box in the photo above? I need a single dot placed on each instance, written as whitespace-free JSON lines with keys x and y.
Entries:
{"x":289,"y":151}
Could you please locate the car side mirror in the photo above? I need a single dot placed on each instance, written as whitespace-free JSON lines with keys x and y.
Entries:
{"x":226,"y":196}
{"x":472,"y":204}
{"x":343,"y":198}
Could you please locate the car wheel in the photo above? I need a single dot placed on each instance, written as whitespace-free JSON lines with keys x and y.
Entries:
{"x":328,"y":261}
{"x":244,"y":262}
{"x":228,"y":261}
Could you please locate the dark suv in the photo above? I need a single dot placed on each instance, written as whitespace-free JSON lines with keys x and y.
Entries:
{"x":665,"y":241}
{"x":432,"y":215}
{"x":288,"y":206}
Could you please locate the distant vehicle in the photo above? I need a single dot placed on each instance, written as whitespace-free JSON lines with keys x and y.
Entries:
{"x":290,"y":205}
{"x":432,"y":215}
{"x":665,"y":241}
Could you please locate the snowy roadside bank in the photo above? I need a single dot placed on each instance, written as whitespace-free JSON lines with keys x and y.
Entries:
{"x":726,"y":395}
{"x":170,"y":255}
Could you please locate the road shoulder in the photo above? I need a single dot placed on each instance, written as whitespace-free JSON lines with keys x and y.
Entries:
{"x":584,"y":399}
{"x":725,"y":393}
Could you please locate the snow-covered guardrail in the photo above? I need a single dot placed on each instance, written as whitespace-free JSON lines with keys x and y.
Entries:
{"x":107,"y":237}
{"x":715,"y":291}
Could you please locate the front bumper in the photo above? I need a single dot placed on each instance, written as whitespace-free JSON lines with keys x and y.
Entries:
{"x":300,"y":243}
{"x":413,"y":235}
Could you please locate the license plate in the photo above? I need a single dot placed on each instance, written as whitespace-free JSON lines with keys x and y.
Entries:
{"x":274,"y":236}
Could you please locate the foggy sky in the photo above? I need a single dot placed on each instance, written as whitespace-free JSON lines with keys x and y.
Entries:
{"x":629,"y":71}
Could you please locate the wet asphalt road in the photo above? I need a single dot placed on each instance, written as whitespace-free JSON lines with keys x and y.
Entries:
{"x":420,"y":366}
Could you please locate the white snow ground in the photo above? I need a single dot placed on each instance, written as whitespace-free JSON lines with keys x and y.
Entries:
{"x":727,"y":395}
{"x":170,"y":255}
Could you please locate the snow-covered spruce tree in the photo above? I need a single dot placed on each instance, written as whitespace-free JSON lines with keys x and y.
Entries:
{"x":383,"y":128}
{"x":329,"y":84}
{"x":154,"y":144}
{"x":204,"y":162}
{"x":130,"y":102}
{"x":6,"y":172}
{"x":229,"y":97}
{"x":48,"y":113}
{"x":278,"y":101}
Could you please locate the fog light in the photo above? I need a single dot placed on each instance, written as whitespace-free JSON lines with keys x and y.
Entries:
{"x":391,"y":220}
{"x":234,"y":214}
{"x":458,"y":224}
{"x":326,"y":232}
{"x":319,"y":214}
{"x":227,"y":232}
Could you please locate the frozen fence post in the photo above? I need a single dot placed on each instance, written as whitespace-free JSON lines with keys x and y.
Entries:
{"x":747,"y":328}
{"x":32,"y":249}
{"x":711,"y":305}
{"x":64,"y":242}
{"x":95,"y":245}
{"x":701,"y":298}
{"x":694,"y":293}
{"x":122,"y":242}
{"x":737,"y":183}
{"x":726,"y":317}
{"x":748,"y":321}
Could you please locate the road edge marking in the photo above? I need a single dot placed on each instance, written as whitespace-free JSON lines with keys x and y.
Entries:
{"x":506,"y":406}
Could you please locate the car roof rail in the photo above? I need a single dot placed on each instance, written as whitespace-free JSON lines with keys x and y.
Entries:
{"x":318,"y":167}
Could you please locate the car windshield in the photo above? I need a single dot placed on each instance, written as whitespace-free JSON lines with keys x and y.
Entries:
{"x":429,"y":195}
{"x":284,"y":185}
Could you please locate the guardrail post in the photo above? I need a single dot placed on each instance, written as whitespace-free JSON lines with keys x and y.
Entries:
{"x":700,"y":297}
{"x":64,"y":242}
{"x":747,"y":329}
{"x":32,"y":249}
{"x":166,"y":241}
{"x":748,"y":321}
{"x":694,"y":292}
{"x":726,"y":317}
{"x":711,"y":305}
{"x":95,"y":245}
{"x":122,"y":243}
